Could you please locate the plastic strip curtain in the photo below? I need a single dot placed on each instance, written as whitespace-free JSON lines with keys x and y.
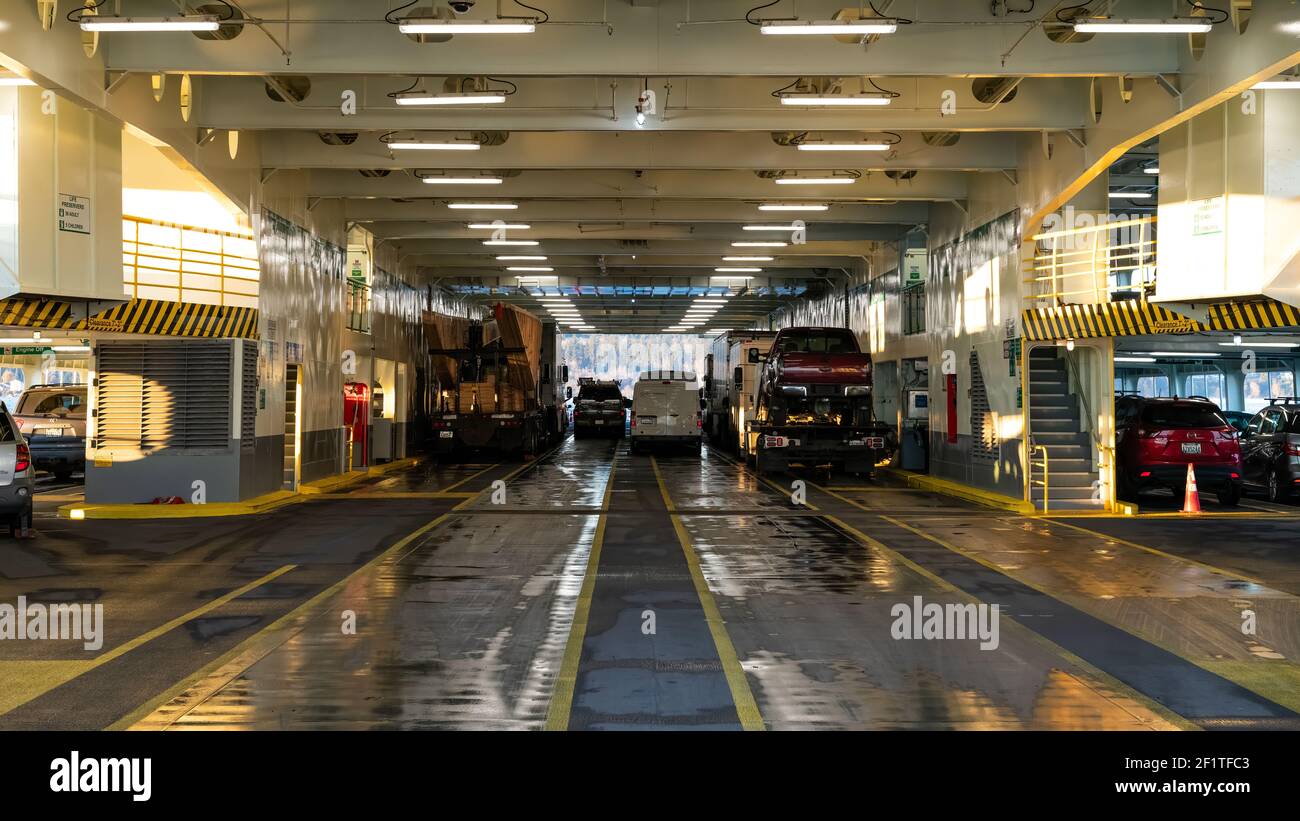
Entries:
{"x":623,"y":357}
{"x":950,"y":264}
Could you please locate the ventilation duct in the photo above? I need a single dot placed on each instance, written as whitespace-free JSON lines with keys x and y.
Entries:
{"x":995,"y":90}
{"x":288,"y":88}
{"x":232,"y":22}
{"x":337,"y":137}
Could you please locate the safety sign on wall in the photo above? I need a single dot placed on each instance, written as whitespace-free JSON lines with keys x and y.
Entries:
{"x":74,"y":214}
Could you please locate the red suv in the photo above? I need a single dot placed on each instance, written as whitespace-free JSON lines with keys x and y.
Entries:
{"x":1156,"y":439}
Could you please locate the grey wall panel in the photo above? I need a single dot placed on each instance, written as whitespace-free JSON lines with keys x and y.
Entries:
{"x":166,"y":473}
{"x":322,"y":453}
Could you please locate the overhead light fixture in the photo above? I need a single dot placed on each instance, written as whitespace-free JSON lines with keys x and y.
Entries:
{"x":771,"y":228}
{"x":1237,"y":343}
{"x":725,"y":280}
{"x":776,"y":206}
{"x":11,"y":80}
{"x":466,"y":98}
{"x":510,"y":242}
{"x":736,"y":270}
{"x":1282,"y":84}
{"x":748,"y":259}
{"x":862,"y":146}
{"x":517,"y":226}
{"x":1172,"y":25}
{"x":1135,"y":359}
{"x":1129,"y":195}
{"x":534,"y":268}
{"x":433,"y":25}
{"x":1151,"y":169}
{"x":462,"y":180}
{"x":815,"y":180}
{"x":70,"y":348}
{"x":417,"y":145}
{"x":758,"y":244}
{"x":1184,"y":354}
{"x":516,"y":258}
{"x":483,"y":206}
{"x":197,"y":22}
{"x":882,"y":25}
{"x":710,"y":302}
{"x":865,"y":98}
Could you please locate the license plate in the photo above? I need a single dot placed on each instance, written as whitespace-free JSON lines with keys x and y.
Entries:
{"x":1191,"y":447}
{"x":647,"y":420}
{"x":49,"y":432}
{"x":446,"y":434}
{"x":599,"y":422}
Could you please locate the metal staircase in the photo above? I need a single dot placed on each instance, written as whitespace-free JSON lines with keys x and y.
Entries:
{"x":1054,"y":423}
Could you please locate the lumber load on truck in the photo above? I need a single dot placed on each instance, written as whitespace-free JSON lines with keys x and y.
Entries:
{"x":444,"y":331}
{"x":520,"y":329}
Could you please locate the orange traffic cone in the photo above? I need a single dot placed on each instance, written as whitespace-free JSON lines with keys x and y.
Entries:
{"x":1192,"y":499}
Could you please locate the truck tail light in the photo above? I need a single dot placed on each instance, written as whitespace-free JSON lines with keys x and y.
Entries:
{"x":23,"y":459}
{"x":1292,"y":449}
{"x":633,"y":418}
{"x":699,"y":423}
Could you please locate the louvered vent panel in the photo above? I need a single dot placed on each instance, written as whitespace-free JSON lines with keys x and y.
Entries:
{"x":248,"y":398}
{"x":164,"y":395}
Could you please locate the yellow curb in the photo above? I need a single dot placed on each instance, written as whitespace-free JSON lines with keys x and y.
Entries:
{"x":258,"y":504}
{"x":987,"y":498}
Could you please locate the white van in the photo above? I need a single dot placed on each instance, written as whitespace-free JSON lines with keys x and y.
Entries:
{"x":666,"y":410}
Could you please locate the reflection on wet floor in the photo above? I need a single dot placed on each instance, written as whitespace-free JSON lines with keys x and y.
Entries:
{"x":468,"y":626}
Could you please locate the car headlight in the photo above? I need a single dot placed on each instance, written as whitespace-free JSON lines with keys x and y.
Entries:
{"x":857,"y":390}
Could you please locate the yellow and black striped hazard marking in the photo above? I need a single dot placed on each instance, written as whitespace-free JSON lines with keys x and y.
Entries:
{"x":1259,"y":314}
{"x":1123,"y":318}
{"x":136,"y":316}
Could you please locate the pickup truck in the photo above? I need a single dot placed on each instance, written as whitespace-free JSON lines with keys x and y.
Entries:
{"x":813,"y":407}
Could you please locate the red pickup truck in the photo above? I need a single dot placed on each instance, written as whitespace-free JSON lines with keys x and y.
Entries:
{"x":813,"y":405}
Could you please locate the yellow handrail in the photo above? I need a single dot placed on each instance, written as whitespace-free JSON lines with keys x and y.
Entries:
{"x":1032,"y":465}
{"x":185,"y":263}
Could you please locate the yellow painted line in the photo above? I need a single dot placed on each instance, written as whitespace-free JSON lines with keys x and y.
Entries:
{"x":217,"y":674}
{"x":1231,"y":574}
{"x":401,"y":494}
{"x":561,"y":706}
{"x":474,"y":475}
{"x":60,"y":674}
{"x":746,"y":707}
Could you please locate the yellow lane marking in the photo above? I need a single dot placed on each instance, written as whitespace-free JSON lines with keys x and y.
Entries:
{"x":1023,"y":631}
{"x":1219,"y":571}
{"x":51,"y":674}
{"x":397,"y":495}
{"x":746,"y":707}
{"x":214,"y":676}
{"x":557,"y":714}
{"x":475,"y":475}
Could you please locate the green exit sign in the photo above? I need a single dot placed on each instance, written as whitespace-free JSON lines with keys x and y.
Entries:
{"x":29,"y":350}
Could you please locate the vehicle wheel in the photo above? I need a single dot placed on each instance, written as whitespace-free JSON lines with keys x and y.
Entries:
{"x":1277,"y":490}
{"x":19,"y":520}
{"x":635,"y":447}
{"x":1230,"y":496}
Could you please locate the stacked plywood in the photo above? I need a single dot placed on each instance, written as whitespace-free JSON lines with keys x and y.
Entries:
{"x":483,"y":394}
{"x":510,"y":399}
{"x":445,"y":332}
{"x":520,"y":329}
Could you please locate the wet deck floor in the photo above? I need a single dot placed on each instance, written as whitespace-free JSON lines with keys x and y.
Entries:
{"x":594,"y":589}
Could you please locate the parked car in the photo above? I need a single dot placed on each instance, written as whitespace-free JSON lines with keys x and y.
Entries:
{"x":17,"y":475}
{"x":1157,"y":438}
{"x":53,"y":420}
{"x":1270,"y":449}
{"x":598,"y":408}
{"x":667,"y":409}
{"x":1238,"y":419}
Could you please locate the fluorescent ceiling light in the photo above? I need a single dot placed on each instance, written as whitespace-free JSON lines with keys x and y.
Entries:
{"x":1129,"y":195}
{"x":467,"y":98}
{"x":735,"y":270}
{"x":483,"y":206}
{"x":1135,"y":359}
{"x":1183,"y":353}
{"x":815,"y":180}
{"x":748,"y":259}
{"x":416,"y":145}
{"x":1284,"y":84}
{"x":776,"y":206}
{"x":758,"y":244}
{"x":9,"y":81}
{"x":432,"y":25}
{"x":510,"y":242}
{"x":205,"y":22}
{"x":724,"y":280}
{"x":462,"y":180}
{"x":883,"y":25}
{"x":868,"y":146}
{"x":710,"y":302}
{"x":518,"y":258}
{"x":771,"y":228}
{"x":1173,"y":25}
{"x":535,"y":268}
{"x":1154,"y":169}
{"x":1258,"y":344}
{"x":866,"y":98}
{"x":518,"y":226}
{"x":70,"y":348}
